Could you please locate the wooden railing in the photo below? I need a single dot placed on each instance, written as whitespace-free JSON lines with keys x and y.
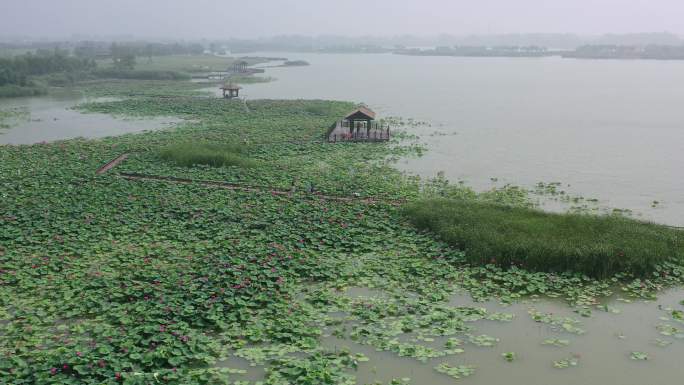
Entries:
{"x":343,"y":132}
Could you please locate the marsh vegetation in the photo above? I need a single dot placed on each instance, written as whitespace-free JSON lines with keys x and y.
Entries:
{"x":215,"y":155}
{"x":144,"y":281}
{"x":598,"y":246}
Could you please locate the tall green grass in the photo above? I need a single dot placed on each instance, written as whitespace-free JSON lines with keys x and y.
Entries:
{"x":215,"y":155}
{"x":598,"y":246}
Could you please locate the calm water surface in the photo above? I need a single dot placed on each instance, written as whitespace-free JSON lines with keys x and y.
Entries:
{"x":52,"y":117}
{"x":611,"y":130}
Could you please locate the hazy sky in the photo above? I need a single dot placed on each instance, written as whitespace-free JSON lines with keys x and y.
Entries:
{"x":254,"y":18}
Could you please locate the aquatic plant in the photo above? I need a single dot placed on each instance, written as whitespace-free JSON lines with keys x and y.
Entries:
{"x":556,"y":342}
{"x":455,"y":371}
{"x":215,"y":155}
{"x":138,"y":281}
{"x":597,"y":246}
{"x":565,"y":363}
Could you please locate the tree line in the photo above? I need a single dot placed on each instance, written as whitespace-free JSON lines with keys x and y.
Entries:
{"x":95,"y":49}
{"x":19,"y":69}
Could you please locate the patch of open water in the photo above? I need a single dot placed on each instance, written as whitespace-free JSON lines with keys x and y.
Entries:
{"x":603,"y":351}
{"x":50,"y":118}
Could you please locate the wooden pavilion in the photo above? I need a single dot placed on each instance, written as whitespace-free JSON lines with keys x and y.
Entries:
{"x":231,"y":91}
{"x":240,"y":66}
{"x":359,"y":125}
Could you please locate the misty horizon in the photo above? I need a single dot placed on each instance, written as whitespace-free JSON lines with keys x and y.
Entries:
{"x":212,"y":19}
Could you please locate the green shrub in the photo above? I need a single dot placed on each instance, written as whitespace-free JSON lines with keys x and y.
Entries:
{"x":598,"y":246}
{"x":215,"y":155}
{"x":10,"y":91}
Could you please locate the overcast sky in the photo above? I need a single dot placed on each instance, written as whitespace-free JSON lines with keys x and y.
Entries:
{"x":255,"y":18}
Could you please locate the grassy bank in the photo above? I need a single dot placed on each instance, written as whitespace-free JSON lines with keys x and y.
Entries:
{"x":598,"y":246}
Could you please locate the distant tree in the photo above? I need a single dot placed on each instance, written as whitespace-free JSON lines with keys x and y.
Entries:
{"x":149,"y":51}
{"x":85,"y":51}
{"x":123,"y":57}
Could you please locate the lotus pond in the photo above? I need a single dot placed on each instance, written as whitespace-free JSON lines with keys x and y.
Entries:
{"x":105,"y":280}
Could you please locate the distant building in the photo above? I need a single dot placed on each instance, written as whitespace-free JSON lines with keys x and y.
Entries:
{"x":240,"y":66}
{"x":231,"y":91}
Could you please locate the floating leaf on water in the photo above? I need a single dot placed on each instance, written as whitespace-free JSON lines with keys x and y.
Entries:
{"x":565,"y":323}
{"x":668,"y":330}
{"x":361,"y":357}
{"x":453,"y":342}
{"x":556,"y":342}
{"x":455,"y":371}
{"x":233,"y":371}
{"x":662,"y":343}
{"x":509,"y":356}
{"x":584,"y":311}
{"x":566,"y":363}
{"x":638,"y":356}
{"x":502,"y":317}
{"x":483,"y":340}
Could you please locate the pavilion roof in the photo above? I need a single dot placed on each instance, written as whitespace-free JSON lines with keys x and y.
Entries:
{"x":362,"y":110}
{"x":231,"y":87}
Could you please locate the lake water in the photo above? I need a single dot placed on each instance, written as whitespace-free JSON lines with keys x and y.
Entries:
{"x":601,"y":345}
{"x":603,"y":351}
{"x":50,"y":118}
{"x":608,"y":130}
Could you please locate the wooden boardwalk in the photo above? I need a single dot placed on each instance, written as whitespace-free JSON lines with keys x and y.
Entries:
{"x":261,"y":189}
{"x":343,"y":132}
{"x":111,"y":164}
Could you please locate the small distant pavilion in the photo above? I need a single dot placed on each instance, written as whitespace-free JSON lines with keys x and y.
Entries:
{"x":240,"y":66}
{"x":231,"y":91}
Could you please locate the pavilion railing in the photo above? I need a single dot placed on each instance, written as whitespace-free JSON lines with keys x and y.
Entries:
{"x":343,"y":131}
